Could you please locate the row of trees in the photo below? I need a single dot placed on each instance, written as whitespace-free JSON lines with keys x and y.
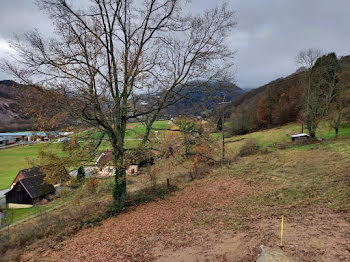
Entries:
{"x":327,"y":88}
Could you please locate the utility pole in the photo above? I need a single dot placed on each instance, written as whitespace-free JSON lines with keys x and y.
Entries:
{"x":222,"y":128}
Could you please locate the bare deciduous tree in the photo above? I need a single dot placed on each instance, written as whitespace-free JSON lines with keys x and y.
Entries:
{"x":306,"y":59}
{"x":341,"y":101}
{"x":124,"y":60}
{"x":323,"y":90}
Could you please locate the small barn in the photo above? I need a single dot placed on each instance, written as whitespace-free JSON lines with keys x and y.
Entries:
{"x":27,"y":191}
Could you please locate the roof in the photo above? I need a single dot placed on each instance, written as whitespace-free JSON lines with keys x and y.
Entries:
{"x":25,"y":133}
{"x":104,"y":158}
{"x":34,"y":171}
{"x":35,"y":186}
{"x":300,"y":135}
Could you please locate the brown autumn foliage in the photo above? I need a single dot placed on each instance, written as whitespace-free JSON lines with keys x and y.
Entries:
{"x":203,"y":154}
{"x":280,"y":105}
{"x":91,"y":184}
{"x":276,"y":103}
{"x":171,"y":144}
{"x":46,"y":108}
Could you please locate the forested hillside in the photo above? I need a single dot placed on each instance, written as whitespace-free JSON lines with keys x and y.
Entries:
{"x":276,"y":103}
{"x":24,"y":107}
{"x":10,"y":116}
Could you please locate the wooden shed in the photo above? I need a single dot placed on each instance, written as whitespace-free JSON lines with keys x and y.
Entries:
{"x":300,"y":137}
{"x":28,"y":190}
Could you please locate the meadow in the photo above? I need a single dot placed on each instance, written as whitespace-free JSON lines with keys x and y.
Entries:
{"x":16,"y":158}
{"x":272,"y":138}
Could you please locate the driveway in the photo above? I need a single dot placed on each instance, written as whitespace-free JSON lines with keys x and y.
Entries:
{"x":2,"y":192}
{"x":2,"y":202}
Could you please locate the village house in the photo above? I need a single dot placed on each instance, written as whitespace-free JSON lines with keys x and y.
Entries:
{"x":6,"y":140}
{"x":104,"y":163}
{"x":27,"y":188}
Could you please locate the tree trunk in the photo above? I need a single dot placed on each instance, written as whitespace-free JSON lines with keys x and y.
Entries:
{"x":312,"y":130}
{"x":149,"y":127}
{"x":119,"y":190}
{"x":337,"y":123}
{"x":312,"y":134}
{"x":302,"y":126}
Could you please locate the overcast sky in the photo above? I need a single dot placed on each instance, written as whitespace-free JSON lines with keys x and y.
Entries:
{"x":267,"y":38}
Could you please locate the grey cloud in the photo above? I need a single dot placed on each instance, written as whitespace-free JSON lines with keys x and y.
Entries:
{"x":268,"y":36}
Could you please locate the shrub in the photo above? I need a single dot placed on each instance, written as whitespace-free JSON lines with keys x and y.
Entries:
{"x":74,"y":183}
{"x":171,"y":144}
{"x":249,"y":148}
{"x":91,"y":184}
{"x":105,"y":185}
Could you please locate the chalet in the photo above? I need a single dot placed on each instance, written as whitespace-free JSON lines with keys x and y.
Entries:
{"x":104,"y":163}
{"x":28,"y":190}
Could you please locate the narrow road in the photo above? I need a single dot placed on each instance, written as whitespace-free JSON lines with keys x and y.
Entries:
{"x":2,"y":197}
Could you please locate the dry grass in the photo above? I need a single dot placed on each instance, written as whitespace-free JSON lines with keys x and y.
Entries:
{"x":229,"y":214}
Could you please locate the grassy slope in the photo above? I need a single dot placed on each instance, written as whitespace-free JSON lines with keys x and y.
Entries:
{"x":306,"y":184}
{"x":282,"y":182}
{"x":299,"y":175}
{"x":268,"y":138}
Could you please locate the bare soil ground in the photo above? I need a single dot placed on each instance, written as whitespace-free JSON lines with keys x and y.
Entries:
{"x":191,"y":226}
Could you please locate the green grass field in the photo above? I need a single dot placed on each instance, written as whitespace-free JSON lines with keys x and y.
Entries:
{"x":134,"y":130}
{"x":14,"y":159}
{"x":281,"y":134}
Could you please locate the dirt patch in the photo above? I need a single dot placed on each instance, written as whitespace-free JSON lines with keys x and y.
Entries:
{"x":172,"y":222}
{"x":316,"y":236}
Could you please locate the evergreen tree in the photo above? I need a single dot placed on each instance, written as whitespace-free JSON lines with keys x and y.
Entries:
{"x":81,"y":174}
{"x":219,"y":124}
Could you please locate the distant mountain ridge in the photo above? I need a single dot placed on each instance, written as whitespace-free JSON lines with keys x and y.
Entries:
{"x":204,"y":97}
{"x":10,"y":117}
